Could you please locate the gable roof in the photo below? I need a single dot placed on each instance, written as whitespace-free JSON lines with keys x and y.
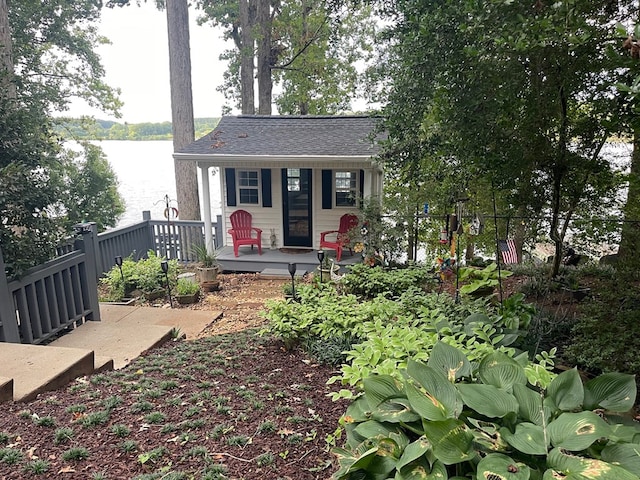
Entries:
{"x":263,"y":135}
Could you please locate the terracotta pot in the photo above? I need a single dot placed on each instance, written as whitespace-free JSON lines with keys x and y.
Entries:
{"x":210,"y":286}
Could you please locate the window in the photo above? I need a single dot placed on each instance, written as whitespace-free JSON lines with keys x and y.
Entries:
{"x":293,"y":179}
{"x":248,"y":187}
{"x":346,"y":188}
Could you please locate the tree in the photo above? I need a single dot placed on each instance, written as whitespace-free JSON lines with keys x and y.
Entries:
{"x":181,"y":100}
{"x":6,"y":54}
{"x":302,"y":47}
{"x":51,"y":45}
{"x":88,"y":189}
{"x":517,"y":94}
{"x":182,"y":106}
{"x":629,"y":89}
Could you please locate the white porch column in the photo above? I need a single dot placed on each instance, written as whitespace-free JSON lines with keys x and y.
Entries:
{"x":206,"y":205}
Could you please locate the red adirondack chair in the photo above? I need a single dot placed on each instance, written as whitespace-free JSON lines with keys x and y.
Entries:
{"x":242,"y":231}
{"x":343,"y":240}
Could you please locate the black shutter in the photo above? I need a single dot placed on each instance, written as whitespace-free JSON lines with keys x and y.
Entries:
{"x":327,"y":189}
{"x":230,"y":177}
{"x":265,"y":177}
{"x":361,"y":192}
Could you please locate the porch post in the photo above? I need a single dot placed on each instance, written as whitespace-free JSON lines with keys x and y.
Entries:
{"x":9,"y":331}
{"x":206,"y":202}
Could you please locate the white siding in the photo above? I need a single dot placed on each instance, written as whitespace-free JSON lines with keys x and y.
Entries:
{"x":272,"y":218}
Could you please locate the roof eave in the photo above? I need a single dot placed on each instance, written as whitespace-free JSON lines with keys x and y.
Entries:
{"x":222,"y":160}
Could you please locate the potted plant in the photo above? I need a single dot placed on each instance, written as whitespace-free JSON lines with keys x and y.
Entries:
{"x":572,"y":286}
{"x":187,"y":291}
{"x":209,"y":268}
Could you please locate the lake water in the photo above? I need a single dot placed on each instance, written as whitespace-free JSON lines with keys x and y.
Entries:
{"x":145,"y":175}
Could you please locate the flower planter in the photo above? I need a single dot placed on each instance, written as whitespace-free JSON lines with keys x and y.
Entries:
{"x":324,"y":273}
{"x":578,"y":294}
{"x":188,"y":299}
{"x":156,"y":294}
{"x":208,"y":274}
{"x":210,"y":286}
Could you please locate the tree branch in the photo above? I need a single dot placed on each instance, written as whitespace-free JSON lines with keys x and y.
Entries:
{"x":305,"y":46}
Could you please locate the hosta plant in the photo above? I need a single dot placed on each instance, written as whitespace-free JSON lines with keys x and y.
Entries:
{"x":477,"y":280}
{"x":449,"y":419}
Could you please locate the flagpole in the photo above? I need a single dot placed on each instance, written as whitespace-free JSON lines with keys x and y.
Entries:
{"x":495,"y":225}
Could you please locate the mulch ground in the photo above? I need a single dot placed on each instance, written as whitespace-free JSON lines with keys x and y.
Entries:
{"x":224,"y":406}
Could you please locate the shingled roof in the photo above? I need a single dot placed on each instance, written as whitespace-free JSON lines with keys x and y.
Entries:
{"x":289,"y":135}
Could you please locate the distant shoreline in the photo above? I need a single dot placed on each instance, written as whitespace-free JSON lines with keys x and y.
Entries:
{"x":95,"y":129}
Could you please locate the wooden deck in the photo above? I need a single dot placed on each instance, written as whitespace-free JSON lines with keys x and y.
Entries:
{"x":276,"y":260}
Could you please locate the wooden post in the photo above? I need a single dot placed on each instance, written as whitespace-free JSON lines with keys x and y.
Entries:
{"x":89,"y":246}
{"x":219,"y":233}
{"x":9,"y":331}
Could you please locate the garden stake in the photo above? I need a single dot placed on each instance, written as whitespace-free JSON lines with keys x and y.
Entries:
{"x":165,"y":269}
{"x":292,"y":271}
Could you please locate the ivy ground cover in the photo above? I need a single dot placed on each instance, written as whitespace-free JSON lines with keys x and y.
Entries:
{"x":233,"y":406}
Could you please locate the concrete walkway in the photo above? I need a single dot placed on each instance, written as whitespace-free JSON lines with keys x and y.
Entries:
{"x":123,"y":334}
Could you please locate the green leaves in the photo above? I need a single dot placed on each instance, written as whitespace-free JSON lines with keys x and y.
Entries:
{"x":503,"y":467}
{"x":452,"y":441}
{"x":434,"y":398}
{"x":501,"y":371}
{"x":577,"y":431}
{"x":439,"y":421}
{"x":615,"y":392}
{"x":488,"y":400}
{"x":566,"y":391}
{"x":570,"y":467}
{"x":449,"y":360}
{"x":528,"y":438}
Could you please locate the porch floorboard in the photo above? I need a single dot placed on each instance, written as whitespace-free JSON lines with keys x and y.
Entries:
{"x":252,"y":262}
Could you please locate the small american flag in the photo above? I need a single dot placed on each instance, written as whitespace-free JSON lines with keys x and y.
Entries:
{"x":508,"y":251}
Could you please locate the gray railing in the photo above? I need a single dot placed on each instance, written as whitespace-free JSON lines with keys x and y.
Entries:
{"x":50,"y":297}
{"x":63,"y":292}
{"x":172,"y":240}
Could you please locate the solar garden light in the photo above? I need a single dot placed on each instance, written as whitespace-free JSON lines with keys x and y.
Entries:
{"x":165,"y":269}
{"x":292,"y":271}
{"x":320,"y":259}
{"x":118,"y":260}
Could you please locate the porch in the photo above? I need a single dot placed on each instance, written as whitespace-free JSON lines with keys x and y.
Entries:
{"x":276,"y":262}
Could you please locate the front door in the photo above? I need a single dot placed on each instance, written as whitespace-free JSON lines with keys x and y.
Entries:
{"x":296,"y":192}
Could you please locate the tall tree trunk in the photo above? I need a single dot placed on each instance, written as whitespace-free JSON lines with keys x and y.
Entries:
{"x":7,"y":86}
{"x":247,"y":41}
{"x":629,"y":251}
{"x":265,"y":83}
{"x":182,"y":106}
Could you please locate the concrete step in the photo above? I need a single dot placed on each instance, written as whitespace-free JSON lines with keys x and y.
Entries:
{"x":37,"y":368}
{"x":119,"y":342}
{"x":6,"y":389}
{"x":123,"y":334}
{"x":280,"y":274}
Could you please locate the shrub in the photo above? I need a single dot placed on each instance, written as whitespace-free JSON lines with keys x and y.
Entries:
{"x":145,"y":275}
{"x":369,"y":282}
{"x":448,"y":418}
{"x":186,"y":287}
{"x":607,"y":339}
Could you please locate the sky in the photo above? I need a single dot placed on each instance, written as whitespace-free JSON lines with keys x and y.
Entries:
{"x":137,"y":62}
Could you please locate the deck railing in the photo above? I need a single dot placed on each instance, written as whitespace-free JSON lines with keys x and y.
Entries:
{"x":50,"y":297}
{"x":63,"y":292}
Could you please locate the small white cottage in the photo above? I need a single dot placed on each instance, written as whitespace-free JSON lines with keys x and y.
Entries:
{"x":295,"y":175}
